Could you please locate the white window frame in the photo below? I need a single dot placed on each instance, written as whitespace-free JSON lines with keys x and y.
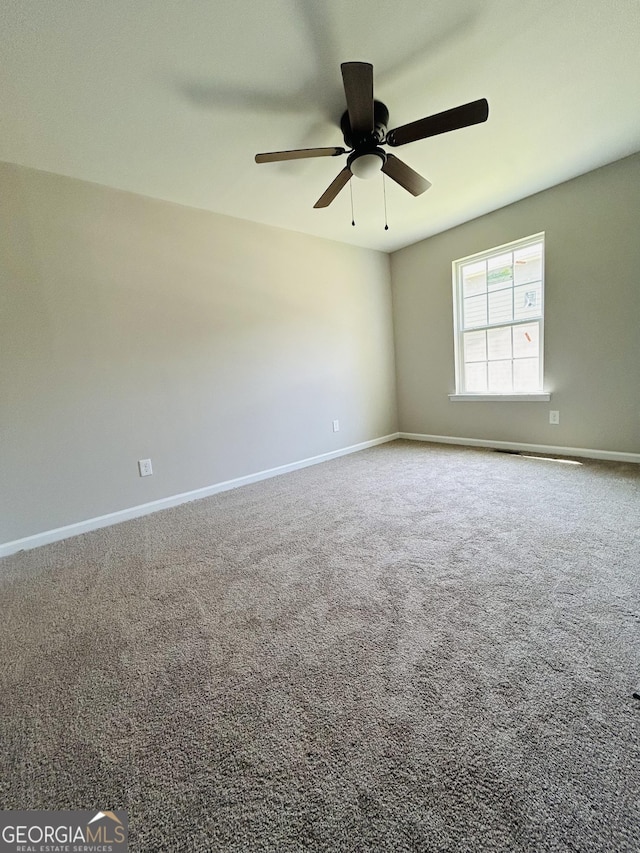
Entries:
{"x":460,"y":394}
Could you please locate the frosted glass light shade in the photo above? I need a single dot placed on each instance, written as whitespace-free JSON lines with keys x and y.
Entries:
{"x":366,"y":166}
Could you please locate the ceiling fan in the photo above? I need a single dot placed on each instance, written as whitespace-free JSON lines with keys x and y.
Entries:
{"x":364,"y":128}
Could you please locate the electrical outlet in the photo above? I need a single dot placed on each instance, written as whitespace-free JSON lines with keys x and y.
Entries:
{"x":144,"y":466}
{"x":336,"y":426}
{"x":554,"y":417}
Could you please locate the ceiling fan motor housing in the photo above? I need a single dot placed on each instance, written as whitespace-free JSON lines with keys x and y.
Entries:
{"x":370,"y":140}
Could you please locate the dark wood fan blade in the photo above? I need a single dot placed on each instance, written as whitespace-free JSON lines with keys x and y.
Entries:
{"x":298,"y":154}
{"x":358,"y":89}
{"x":464,"y":116}
{"x":334,"y":188}
{"x":404,"y":175}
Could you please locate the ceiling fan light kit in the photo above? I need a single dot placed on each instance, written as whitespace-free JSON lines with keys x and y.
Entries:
{"x":364,"y":128}
{"x":366,"y":165}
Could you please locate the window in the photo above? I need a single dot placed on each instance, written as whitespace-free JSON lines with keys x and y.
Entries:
{"x":498,"y":298}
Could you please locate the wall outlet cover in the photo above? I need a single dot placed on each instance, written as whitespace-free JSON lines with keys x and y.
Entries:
{"x":145,"y":468}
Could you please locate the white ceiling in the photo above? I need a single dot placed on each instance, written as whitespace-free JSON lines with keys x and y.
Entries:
{"x":172,"y":99}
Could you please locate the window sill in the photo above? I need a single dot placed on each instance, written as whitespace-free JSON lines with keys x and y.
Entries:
{"x":540,"y":397}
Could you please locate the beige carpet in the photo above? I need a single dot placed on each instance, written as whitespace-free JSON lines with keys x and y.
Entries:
{"x":413,"y":648}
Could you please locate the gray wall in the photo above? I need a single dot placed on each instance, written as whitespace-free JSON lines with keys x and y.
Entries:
{"x":134,"y":328}
{"x":592,"y":319}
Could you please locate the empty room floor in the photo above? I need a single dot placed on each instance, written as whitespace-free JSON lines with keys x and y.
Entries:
{"x":412,"y":648}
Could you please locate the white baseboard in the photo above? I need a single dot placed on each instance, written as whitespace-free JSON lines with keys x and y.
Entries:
{"x":75,"y":529}
{"x":89,"y":524}
{"x":608,"y":455}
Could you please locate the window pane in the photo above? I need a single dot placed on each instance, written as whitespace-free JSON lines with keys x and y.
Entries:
{"x":500,"y":271}
{"x":527,"y":301}
{"x":526,"y":374}
{"x":475,"y":346}
{"x":499,"y":343}
{"x":500,"y":381}
{"x":501,"y":306}
{"x":498,"y":304}
{"x":474,"y":278}
{"x":475,"y":312}
{"x":526,"y":340}
{"x":528,"y":264}
{"x":475,"y":376}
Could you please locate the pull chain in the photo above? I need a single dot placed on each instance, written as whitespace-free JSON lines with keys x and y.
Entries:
{"x":384,"y":193}
{"x":353,"y":221}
